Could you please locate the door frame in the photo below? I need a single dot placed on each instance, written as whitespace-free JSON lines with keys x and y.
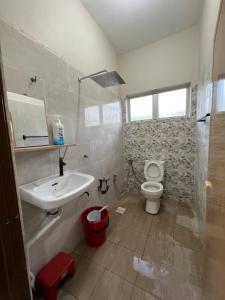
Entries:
{"x":14,"y":283}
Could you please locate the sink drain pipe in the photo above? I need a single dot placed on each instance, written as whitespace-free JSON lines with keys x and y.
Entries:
{"x":36,"y":237}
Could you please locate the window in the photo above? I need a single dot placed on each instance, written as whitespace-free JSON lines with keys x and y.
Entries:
{"x":159,"y":104}
{"x":172,"y":104}
{"x":141,"y":108}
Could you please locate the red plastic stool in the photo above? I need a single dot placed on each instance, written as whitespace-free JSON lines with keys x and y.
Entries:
{"x":51,"y":275}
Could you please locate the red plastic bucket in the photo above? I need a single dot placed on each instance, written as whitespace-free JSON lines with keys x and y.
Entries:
{"x":95,"y":231}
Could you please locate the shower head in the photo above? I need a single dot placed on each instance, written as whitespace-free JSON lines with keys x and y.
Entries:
{"x":108,"y":79}
{"x":105,"y":79}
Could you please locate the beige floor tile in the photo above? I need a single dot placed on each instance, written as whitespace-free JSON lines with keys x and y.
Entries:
{"x":190,"y":223}
{"x":185,"y":287}
{"x":168,"y":205}
{"x":86,"y":278}
{"x":210,"y":292}
{"x":169,"y":284}
{"x":134,"y":216}
{"x":188,"y":261}
{"x":163,"y":226}
{"x":214,"y":281}
{"x":102,"y":255}
{"x":80,"y":249}
{"x":134,"y":203}
{"x":129,"y":220}
{"x":133,"y":240}
{"x":168,"y":244}
{"x":132,"y":198}
{"x":114,"y":234}
{"x":122,"y":236}
{"x":120,"y":225}
{"x":186,"y":238}
{"x":76,"y":256}
{"x":126,"y":220}
{"x":60,"y":294}
{"x":112,"y":287}
{"x":122,"y":264}
{"x":159,"y":251}
{"x":137,"y":207}
{"x":63,"y":295}
{"x":186,"y":217}
{"x":184,"y":209}
{"x":143,"y":222}
{"x":114,"y":217}
{"x":139,"y":294}
{"x":156,"y":281}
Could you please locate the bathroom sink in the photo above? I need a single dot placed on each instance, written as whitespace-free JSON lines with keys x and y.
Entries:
{"x":54,"y":191}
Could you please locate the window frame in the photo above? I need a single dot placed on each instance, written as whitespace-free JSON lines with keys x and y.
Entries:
{"x":155,"y":104}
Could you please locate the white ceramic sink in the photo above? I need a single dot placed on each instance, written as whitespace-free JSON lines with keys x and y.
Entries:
{"x":55,"y":191}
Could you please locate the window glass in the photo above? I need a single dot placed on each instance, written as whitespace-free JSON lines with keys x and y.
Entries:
{"x":141,"y":108}
{"x":92,"y":117}
{"x":172,"y":104}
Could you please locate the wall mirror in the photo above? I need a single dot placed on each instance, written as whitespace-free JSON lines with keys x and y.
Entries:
{"x":27,"y":120}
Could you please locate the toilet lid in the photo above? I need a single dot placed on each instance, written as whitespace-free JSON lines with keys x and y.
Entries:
{"x":153,"y":171}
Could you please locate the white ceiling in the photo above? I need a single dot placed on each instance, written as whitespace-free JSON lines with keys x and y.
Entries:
{"x":131,"y":24}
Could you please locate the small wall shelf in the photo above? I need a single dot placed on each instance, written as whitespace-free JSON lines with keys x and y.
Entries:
{"x":41,"y":148}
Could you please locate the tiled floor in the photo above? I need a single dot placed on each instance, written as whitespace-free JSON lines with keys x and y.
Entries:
{"x":145,"y":257}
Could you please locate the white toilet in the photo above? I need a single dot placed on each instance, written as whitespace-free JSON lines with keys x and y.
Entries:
{"x":152,"y":189}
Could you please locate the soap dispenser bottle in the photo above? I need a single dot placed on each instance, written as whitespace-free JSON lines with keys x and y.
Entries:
{"x":58,"y":132}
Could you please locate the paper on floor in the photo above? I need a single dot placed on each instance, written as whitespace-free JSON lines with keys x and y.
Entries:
{"x":149,"y":268}
{"x":120,"y":210}
{"x":144,"y":267}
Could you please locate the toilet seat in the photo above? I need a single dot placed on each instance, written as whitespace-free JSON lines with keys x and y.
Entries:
{"x":154,"y":170}
{"x":151,"y":187}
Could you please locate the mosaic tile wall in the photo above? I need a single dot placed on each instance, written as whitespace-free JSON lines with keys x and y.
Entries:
{"x":172,"y":140}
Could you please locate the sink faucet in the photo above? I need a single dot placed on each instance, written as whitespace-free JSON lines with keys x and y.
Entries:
{"x":61,"y":165}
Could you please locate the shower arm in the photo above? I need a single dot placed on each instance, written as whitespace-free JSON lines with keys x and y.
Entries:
{"x":92,"y":75}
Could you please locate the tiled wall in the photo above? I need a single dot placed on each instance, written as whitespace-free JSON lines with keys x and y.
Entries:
{"x":172,"y":140}
{"x":93,"y":121}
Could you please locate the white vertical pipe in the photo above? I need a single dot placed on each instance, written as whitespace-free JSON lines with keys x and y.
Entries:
{"x":36,"y":237}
